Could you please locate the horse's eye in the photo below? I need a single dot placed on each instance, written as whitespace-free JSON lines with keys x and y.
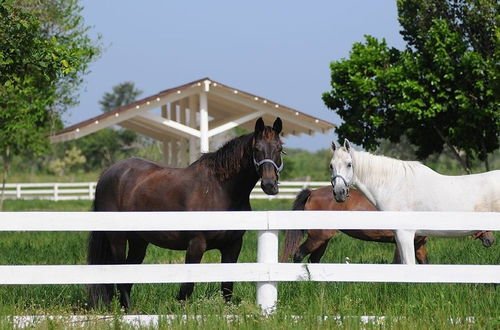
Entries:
{"x":349,"y":165}
{"x":331,"y":167}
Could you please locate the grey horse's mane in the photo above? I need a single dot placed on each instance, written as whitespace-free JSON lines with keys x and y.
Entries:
{"x":378,"y":168}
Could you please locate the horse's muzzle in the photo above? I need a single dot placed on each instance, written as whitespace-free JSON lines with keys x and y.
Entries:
{"x":486,"y":237}
{"x":269,"y":186}
{"x":340,"y":194}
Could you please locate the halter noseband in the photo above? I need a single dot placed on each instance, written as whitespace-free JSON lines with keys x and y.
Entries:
{"x":267,"y":160}
{"x":332,"y":181}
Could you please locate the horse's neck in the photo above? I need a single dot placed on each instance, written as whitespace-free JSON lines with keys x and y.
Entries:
{"x":247,"y":172}
{"x":378,"y":177}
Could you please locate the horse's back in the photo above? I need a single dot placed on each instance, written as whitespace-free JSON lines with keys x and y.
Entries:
{"x":119,"y":180}
{"x":490,"y":186}
{"x":474,"y":192}
{"x":322,"y":199}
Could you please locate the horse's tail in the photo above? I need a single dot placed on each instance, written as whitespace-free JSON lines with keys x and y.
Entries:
{"x":99,"y":253}
{"x":293,"y":237}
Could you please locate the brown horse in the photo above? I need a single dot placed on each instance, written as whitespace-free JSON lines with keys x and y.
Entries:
{"x":218,"y":181}
{"x":317,"y":240}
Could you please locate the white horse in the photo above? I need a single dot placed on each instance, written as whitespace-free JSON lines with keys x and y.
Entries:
{"x":396,"y":185}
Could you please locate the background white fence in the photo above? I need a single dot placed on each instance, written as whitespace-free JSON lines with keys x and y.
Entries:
{"x":85,"y":190}
{"x":267,"y":271}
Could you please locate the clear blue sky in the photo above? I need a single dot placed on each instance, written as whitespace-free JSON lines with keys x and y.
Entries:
{"x":280,"y":50}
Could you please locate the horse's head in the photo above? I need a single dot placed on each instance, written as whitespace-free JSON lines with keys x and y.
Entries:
{"x":486,"y":237}
{"x":267,"y":149}
{"x":342,"y":171}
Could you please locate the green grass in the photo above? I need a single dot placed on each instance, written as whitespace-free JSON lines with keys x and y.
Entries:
{"x":405,"y":305}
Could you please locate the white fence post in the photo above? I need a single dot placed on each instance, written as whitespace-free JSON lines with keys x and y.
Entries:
{"x":56,"y":192}
{"x":91,"y":190}
{"x":18,"y":191}
{"x":267,"y":252}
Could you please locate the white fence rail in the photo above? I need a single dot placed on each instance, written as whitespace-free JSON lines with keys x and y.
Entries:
{"x":267,"y":271}
{"x":85,"y":190}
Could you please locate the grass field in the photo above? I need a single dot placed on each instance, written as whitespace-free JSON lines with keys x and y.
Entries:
{"x":301,"y":305}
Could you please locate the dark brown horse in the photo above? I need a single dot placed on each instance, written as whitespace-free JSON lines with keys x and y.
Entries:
{"x":317,"y":240}
{"x":218,"y":181}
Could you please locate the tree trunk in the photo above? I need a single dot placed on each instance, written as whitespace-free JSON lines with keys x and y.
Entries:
{"x":455,"y":152}
{"x":486,"y":163}
{"x":5,"y":172}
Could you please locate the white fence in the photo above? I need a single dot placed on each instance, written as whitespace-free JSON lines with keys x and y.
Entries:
{"x":58,"y":191}
{"x":267,"y":271}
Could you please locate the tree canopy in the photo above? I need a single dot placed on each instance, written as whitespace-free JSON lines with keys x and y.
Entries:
{"x":104,"y":147}
{"x":442,"y":90}
{"x":122,"y":94}
{"x":34,"y":66}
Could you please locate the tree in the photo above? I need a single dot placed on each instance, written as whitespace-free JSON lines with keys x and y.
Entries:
{"x":72,"y":159}
{"x":102,"y":148}
{"x":442,"y":90}
{"x":123,"y":94}
{"x":32,"y":67}
{"x":62,"y":20}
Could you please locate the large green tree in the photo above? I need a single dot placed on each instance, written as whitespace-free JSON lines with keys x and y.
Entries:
{"x":62,"y":20}
{"x":442,"y":90}
{"x":32,"y":67}
{"x":104,"y":147}
{"x":122,"y":94}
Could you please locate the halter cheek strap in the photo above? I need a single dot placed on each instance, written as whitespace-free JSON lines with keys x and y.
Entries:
{"x":267,"y":160}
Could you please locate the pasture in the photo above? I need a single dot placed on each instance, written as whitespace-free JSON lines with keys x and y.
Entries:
{"x":301,"y":305}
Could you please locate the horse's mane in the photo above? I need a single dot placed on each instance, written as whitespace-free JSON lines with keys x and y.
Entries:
{"x":228,"y":159}
{"x":377,"y":168}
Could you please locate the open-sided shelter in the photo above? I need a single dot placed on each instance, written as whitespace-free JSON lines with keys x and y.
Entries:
{"x":184,"y":118}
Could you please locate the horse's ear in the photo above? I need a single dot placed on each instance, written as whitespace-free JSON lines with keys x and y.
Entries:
{"x":259,"y":125}
{"x":334,"y":146}
{"x":278,"y":125}
{"x":347,"y":145}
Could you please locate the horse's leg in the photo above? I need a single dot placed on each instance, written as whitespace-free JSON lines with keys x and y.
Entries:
{"x":230,"y":254}
{"x":312,"y":243}
{"x":118,"y":244}
{"x":405,"y":242}
{"x":396,"y":259}
{"x":301,"y":253}
{"x":99,"y":253}
{"x":420,"y":252}
{"x":194,"y":252}
{"x":316,"y":255}
{"x":136,"y":253}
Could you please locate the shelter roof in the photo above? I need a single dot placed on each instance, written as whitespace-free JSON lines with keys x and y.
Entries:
{"x":227,"y":107}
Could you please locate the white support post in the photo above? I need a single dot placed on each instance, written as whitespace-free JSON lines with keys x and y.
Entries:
{"x":183,"y":104}
{"x":183,"y":147}
{"x":173,"y":111}
{"x":204,"y":145}
{"x":174,"y":147}
{"x":18,"y":191}
{"x":165,"y":143}
{"x":174,"y":153}
{"x":193,"y":153}
{"x":165,"y":146}
{"x":267,"y":252}
{"x":164,"y":111}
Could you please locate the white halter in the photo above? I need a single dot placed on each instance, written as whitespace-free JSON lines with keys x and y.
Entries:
{"x":267,"y":160}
